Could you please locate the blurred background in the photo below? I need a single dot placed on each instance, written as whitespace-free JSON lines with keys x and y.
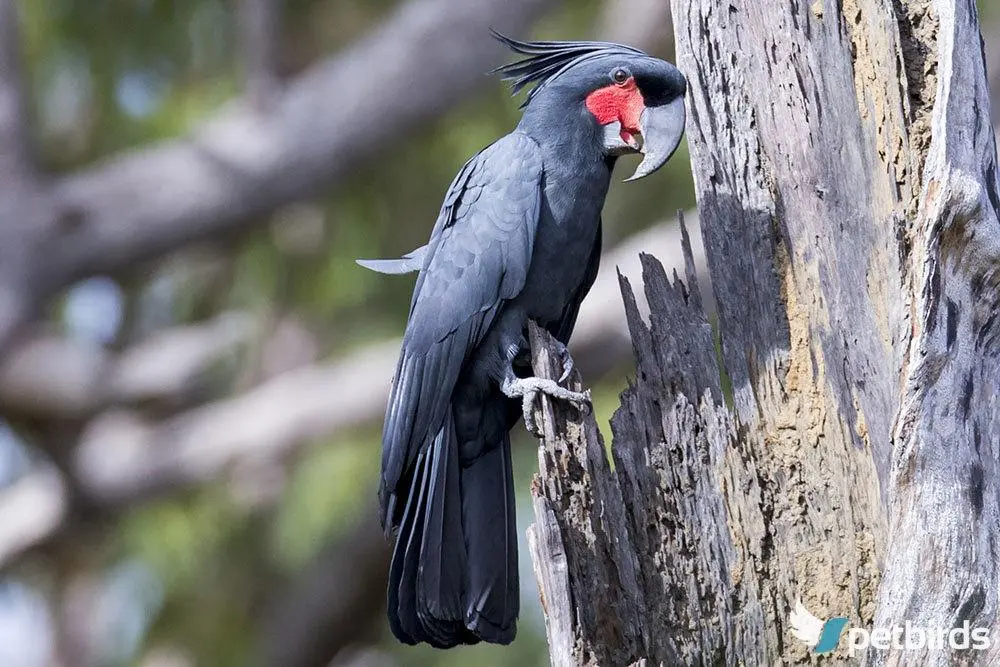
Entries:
{"x":190,"y":420}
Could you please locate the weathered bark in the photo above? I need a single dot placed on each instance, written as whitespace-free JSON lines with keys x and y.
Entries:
{"x":845,"y":169}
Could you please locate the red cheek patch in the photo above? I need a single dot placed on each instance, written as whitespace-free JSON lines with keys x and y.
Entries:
{"x":623,"y":103}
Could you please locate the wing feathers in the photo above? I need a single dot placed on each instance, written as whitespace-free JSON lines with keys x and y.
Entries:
{"x":478,"y":257}
{"x":405,"y":561}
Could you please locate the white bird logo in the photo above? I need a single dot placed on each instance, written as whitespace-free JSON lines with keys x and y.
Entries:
{"x":806,"y":627}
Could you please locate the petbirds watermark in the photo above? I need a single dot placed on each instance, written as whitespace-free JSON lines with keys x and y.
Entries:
{"x":824,"y":636}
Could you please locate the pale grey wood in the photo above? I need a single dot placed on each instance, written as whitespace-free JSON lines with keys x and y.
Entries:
{"x":575,"y":482}
{"x":942,"y":563}
{"x":648,"y":554}
{"x":548,"y":555}
{"x":845,"y":167}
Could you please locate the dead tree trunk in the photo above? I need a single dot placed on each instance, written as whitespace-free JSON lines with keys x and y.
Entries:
{"x":846,"y":176}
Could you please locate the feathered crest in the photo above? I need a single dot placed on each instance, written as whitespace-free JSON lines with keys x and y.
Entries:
{"x":546,"y":61}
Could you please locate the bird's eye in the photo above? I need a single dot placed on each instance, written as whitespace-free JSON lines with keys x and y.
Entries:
{"x":620,"y":76}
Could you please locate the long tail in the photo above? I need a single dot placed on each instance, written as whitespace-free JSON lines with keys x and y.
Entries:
{"x":454,"y":577}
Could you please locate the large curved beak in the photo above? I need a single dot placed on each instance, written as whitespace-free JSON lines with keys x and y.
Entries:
{"x":662,"y":128}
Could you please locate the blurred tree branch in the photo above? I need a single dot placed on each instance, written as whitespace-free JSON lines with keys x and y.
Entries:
{"x":260,"y":22}
{"x":123,"y":457}
{"x":50,"y":377}
{"x":241,"y":165}
{"x":126,"y":455}
{"x":32,"y":509}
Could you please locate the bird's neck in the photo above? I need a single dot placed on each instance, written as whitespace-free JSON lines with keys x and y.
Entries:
{"x":571,"y":139}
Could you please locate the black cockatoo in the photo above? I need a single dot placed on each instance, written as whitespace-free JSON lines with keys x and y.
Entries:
{"x":518,"y":238}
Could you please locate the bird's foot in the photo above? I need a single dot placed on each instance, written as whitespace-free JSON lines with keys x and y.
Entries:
{"x":527,"y":389}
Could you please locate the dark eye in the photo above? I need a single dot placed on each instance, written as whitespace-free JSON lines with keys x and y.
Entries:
{"x":620,"y":76}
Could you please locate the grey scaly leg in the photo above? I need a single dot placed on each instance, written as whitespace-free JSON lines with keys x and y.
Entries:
{"x":527,"y":389}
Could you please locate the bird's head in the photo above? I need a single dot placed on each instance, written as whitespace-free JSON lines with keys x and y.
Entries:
{"x":635,"y":101}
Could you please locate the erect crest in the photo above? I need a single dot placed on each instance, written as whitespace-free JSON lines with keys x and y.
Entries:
{"x":546,"y":61}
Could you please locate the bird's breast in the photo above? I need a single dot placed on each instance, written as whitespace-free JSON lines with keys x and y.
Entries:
{"x":567,"y":231}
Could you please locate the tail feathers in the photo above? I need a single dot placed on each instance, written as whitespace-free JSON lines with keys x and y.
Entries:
{"x":488,"y":514}
{"x":402,"y":601}
{"x":441,"y":581}
{"x":408,"y":263}
{"x":453,"y":578}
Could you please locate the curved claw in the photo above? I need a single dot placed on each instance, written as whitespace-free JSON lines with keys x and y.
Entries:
{"x":528,"y":414}
{"x":567,"y":364}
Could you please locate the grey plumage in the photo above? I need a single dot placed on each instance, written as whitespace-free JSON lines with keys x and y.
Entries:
{"x":517,"y":238}
{"x":545,"y":61}
{"x":408,"y":263}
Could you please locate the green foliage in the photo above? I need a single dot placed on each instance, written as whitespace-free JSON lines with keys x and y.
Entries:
{"x":606,"y":399}
{"x":259,"y":269}
{"x":112,"y":74}
{"x":330,"y":486}
{"x":174,"y":537}
{"x":196,"y":546}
